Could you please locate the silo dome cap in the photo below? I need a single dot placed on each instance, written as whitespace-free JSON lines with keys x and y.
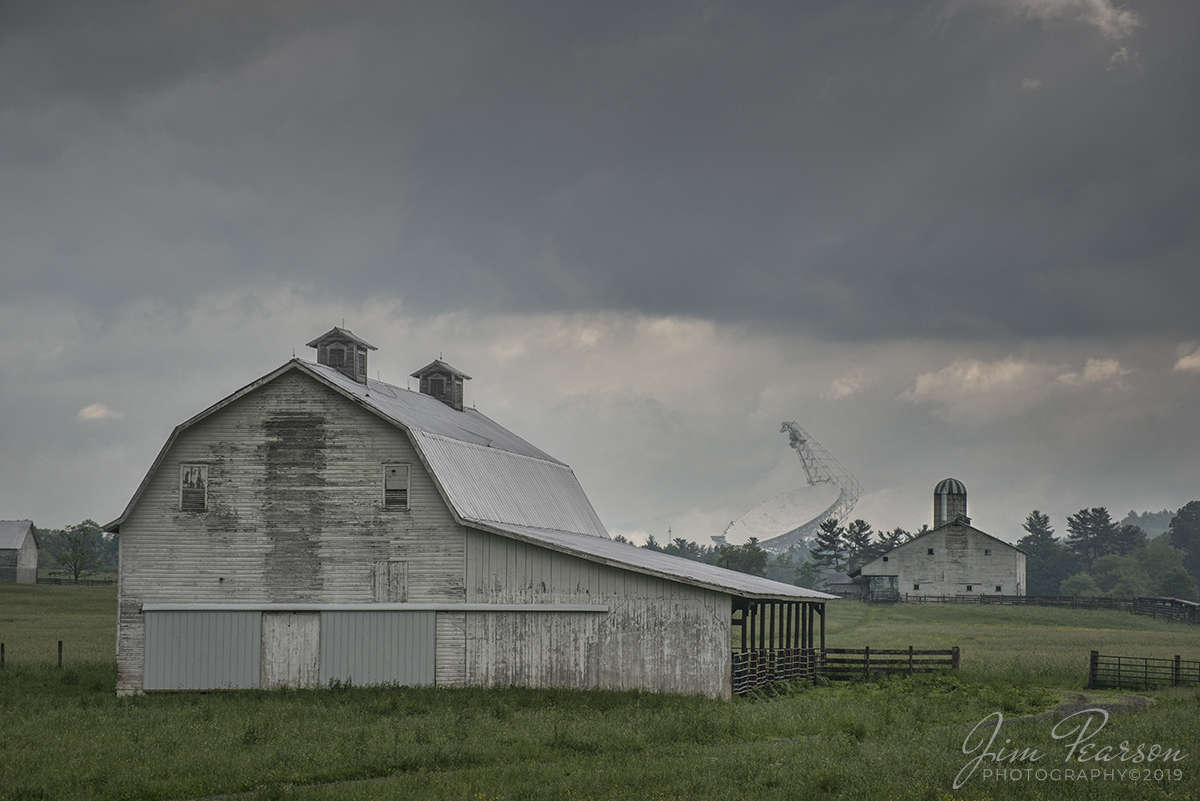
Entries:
{"x":950,"y":486}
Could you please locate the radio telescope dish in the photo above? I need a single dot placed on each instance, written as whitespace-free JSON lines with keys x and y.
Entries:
{"x":793,"y":517}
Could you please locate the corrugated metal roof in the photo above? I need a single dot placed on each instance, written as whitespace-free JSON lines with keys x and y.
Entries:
{"x":656,"y":563}
{"x":13,"y":533}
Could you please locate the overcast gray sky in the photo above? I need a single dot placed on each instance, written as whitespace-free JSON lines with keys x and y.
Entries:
{"x":957,"y":238}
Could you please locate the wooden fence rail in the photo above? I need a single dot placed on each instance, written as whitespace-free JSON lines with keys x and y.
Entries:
{"x":1141,"y":672}
{"x":854,"y":663}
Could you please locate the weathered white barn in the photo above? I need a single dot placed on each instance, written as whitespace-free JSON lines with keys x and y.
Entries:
{"x":18,"y":552}
{"x":952,"y":558}
{"x":317,"y":526}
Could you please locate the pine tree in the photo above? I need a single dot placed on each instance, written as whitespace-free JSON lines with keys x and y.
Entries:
{"x":829,"y":549}
{"x":1047,"y":560}
{"x":859,"y":548}
{"x":1091,"y":533}
{"x":1184,"y":534}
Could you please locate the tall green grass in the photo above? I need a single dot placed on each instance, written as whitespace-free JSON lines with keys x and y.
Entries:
{"x":65,"y":735}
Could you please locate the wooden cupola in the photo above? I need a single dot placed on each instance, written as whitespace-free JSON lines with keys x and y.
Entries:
{"x":344,"y":352}
{"x":441,"y":381}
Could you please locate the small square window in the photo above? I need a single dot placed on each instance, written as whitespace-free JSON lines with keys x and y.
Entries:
{"x":970,"y":588}
{"x":931,"y":552}
{"x":987,"y":551}
{"x":395,"y":486}
{"x":916,"y":586}
{"x":193,"y":487}
{"x":885,"y":558}
{"x":998,"y":588}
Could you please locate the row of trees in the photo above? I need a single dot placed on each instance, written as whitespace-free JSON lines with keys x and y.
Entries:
{"x":1098,"y":556}
{"x":1101,"y":557}
{"x":77,"y":551}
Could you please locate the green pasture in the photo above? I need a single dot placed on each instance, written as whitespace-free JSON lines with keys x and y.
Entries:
{"x":65,"y":735}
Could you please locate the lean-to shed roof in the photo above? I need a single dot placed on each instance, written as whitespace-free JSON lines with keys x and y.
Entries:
{"x":14,"y":532}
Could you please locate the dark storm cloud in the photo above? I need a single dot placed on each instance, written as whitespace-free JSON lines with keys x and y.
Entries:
{"x":840,"y":169}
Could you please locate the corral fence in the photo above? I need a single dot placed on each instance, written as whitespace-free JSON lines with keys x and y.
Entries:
{"x":845,"y":664}
{"x":1141,"y":672}
{"x":754,"y":669}
{"x":81,"y":582}
{"x":1168,"y":608}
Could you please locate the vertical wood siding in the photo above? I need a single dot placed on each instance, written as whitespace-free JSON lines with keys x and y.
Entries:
{"x":295,"y":513}
{"x":451,"y":649}
{"x":290,"y":649}
{"x":202,"y":650}
{"x":660,"y":635}
{"x":378,"y":647}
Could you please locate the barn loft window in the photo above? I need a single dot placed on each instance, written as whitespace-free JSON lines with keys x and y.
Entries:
{"x":931,"y":552}
{"x":193,"y":487}
{"x":885,"y":558}
{"x":395,"y":486}
{"x":970,"y":588}
{"x":337,"y":357}
{"x":998,"y":588}
{"x":987,"y":551}
{"x":916,"y":586}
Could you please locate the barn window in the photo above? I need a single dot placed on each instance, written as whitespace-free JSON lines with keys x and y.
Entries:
{"x":998,"y":588}
{"x":931,"y":552}
{"x":437,"y":387}
{"x":395,"y":486}
{"x":193,"y":487}
{"x":987,"y":551}
{"x":970,"y":588}
{"x":337,"y":357}
{"x":885,"y":558}
{"x":916,"y":586}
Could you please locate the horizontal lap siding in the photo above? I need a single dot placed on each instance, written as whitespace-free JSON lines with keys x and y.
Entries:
{"x":294,"y":513}
{"x":658,"y":635}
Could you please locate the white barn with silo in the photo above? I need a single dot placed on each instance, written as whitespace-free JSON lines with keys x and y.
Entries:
{"x":317,"y":526}
{"x":952,"y":558}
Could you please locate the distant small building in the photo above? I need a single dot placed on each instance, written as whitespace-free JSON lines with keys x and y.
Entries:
{"x":18,"y":552}
{"x":845,"y":585}
{"x":953,"y":558}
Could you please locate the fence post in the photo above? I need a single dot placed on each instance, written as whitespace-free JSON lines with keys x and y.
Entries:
{"x":1,"y":656}
{"x":910,"y":660}
{"x":954,"y":658}
{"x":1178,"y":671}
{"x":60,"y":653}
{"x":867,"y":662}
{"x":1093,"y":669}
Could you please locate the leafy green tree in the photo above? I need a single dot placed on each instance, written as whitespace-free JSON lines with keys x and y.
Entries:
{"x":1047,"y":560}
{"x":829,"y":548}
{"x":1079,"y":585}
{"x":1119,"y":576}
{"x":1176,"y":583}
{"x":1184,"y":534}
{"x":79,"y":549}
{"x":810,"y":575}
{"x":1091,"y":533}
{"x":748,"y":558}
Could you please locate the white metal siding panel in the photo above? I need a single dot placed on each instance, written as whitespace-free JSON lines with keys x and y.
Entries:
{"x":202,"y":650}
{"x":378,"y":647}
{"x":451,"y":649}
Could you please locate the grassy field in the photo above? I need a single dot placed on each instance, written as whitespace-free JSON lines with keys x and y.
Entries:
{"x":64,"y":734}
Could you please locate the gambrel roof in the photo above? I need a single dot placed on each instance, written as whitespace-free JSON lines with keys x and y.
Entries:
{"x":495,"y":481}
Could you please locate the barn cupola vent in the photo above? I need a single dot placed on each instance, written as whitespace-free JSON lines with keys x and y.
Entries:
{"x":949,"y":502}
{"x":440,"y":380}
{"x":344,"y":352}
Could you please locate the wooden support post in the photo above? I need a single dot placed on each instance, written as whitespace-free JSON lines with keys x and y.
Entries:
{"x":750,"y":610}
{"x":762,"y":628}
{"x":804,"y":625}
{"x":867,"y":662}
{"x":954,"y":658}
{"x":810,"y":625}
{"x":821,"y":611}
{"x":772,"y":624}
{"x":745,"y":615}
